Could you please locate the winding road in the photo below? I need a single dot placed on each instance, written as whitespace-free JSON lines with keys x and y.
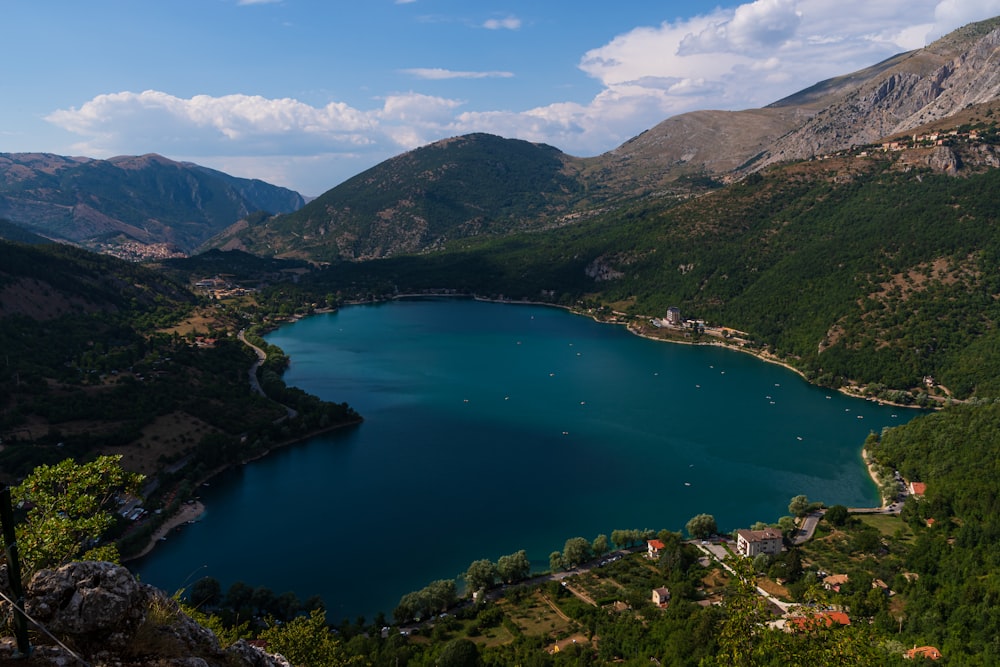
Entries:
{"x":252,"y":373}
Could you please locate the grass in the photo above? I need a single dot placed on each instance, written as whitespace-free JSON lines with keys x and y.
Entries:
{"x":536,"y":616}
{"x":888,"y":525}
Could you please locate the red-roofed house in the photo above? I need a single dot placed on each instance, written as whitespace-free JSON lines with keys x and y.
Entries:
{"x":818,"y":620}
{"x":923,"y":652}
{"x":835,"y":581}
{"x":918,"y":488}
{"x":653,"y":548}
{"x":752,"y":542}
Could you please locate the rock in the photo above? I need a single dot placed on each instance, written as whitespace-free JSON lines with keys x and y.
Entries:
{"x":91,"y":601}
{"x":101,"y":613}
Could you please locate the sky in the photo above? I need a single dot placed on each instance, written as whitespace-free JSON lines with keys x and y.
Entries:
{"x":307,"y":93}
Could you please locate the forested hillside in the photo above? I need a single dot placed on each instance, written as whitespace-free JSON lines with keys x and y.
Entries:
{"x":103,"y":356}
{"x":466,"y":186}
{"x":954,"y":601}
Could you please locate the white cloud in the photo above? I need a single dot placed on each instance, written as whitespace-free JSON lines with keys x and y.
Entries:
{"x":438,"y":74}
{"x":736,"y":58}
{"x":951,"y":14}
{"x":509,"y":23}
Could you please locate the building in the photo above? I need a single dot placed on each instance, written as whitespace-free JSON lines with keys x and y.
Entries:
{"x":661,"y":596}
{"x":653,"y":548}
{"x":835,"y":581}
{"x":918,"y":489}
{"x":923,"y":652}
{"x":674,"y":316}
{"x":749,"y":543}
{"x":819,"y":620}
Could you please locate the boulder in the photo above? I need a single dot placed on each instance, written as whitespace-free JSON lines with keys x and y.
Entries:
{"x":100,"y":613}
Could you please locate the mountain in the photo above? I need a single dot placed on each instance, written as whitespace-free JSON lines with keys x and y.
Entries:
{"x":131,"y":206}
{"x":954,"y":73}
{"x":483,"y":185}
{"x":465,"y":186}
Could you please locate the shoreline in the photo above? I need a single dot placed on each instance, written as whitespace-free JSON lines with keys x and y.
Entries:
{"x":186,"y":513}
{"x":183,"y":514}
{"x":873,"y":473}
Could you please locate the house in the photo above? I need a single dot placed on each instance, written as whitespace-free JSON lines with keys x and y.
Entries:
{"x":653,"y":548}
{"x":817,"y":620}
{"x":880,"y":585}
{"x":835,"y":581}
{"x":661,"y":596}
{"x":918,"y":489}
{"x":674,"y":316}
{"x":749,"y":543}
{"x":923,"y":652}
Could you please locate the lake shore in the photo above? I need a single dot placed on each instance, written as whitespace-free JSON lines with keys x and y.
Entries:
{"x":186,"y":513}
{"x":193,"y":509}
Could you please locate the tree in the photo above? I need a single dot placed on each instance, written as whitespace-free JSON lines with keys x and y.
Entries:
{"x":701,"y":526}
{"x":799,"y":506}
{"x":239,"y":595}
{"x":787,"y":525}
{"x":555,"y":561}
{"x":206,"y":592}
{"x":600,"y":545}
{"x":576,"y":551}
{"x":441,"y":594}
{"x":480,"y":575}
{"x":72,"y":507}
{"x":306,"y":640}
{"x":761,"y":562}
{"x":459,"y":653}
{"x":514,"y":567}
{"x":837,"y":515}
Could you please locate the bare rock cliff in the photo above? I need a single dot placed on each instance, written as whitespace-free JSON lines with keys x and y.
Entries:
{"x":957,"y":71}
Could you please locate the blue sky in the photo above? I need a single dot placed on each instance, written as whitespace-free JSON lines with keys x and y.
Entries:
{"x":307,"y":93}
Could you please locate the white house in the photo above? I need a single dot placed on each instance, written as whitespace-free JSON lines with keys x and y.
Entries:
{"x":661,"y":596}
{"x":749,"y":543}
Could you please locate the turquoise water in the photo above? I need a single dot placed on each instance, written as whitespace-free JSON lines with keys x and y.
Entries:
{"x":492,"y":428}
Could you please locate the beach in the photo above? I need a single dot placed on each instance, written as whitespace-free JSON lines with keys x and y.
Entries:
{"x":189,"y":511}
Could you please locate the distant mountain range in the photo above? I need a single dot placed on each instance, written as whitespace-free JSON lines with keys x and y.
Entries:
{"x":135,"y":207}
{"x":480,"y":185}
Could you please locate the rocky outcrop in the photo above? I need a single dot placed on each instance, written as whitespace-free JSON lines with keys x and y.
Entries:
{"x":952,"y":74}
{"x":100,"y":613}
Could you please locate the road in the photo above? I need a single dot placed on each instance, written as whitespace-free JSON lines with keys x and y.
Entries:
{"x":808,"y":527}
{"x":252,"y":373}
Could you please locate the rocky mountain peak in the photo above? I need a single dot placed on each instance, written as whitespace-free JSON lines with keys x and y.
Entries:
{"x":906,"y":92}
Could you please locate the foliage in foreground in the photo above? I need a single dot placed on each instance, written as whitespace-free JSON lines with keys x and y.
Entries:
{"x":69,"y":507}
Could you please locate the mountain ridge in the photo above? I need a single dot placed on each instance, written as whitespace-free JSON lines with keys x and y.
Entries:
{"x":133,"y":205}
{"x":682,"y":156}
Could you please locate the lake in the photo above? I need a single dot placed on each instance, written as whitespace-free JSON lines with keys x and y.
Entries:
{"x":491,"y":428}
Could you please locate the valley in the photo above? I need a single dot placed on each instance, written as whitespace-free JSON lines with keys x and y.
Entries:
{"x":847,"y":232}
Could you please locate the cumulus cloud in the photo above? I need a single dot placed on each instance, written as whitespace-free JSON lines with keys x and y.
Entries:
{"x":755,"y":26}
{"x":438,"y":74}
{"x":951,"y":14}
{"x":735,"y":58}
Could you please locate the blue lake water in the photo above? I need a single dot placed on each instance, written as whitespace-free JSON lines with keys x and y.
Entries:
{"x":491,"y":428}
